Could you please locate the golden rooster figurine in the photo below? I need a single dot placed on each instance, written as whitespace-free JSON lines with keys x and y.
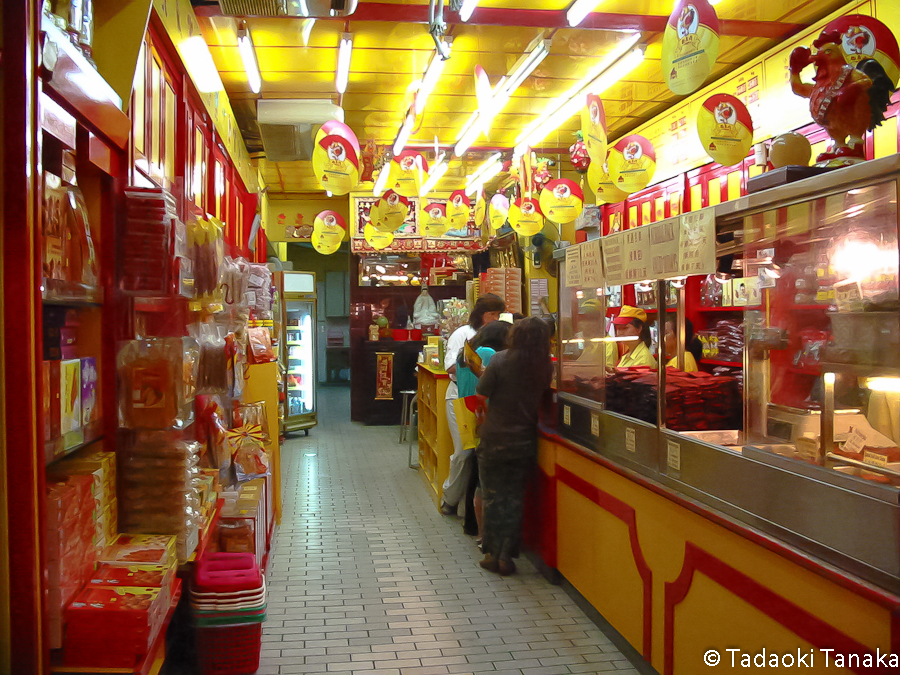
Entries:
{"x":845,"y":100}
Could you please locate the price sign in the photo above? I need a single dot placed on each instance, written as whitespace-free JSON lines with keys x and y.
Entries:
{"x":613,"y":262}
{"x":595,"y":424}
{"x":664,"y":248}
{"x":567,"y":415}
{"x":591,"y":264}
{"x":630,"y":444}
{"x":697,"y":243}
{"x":636,"y":254}
{"x":573,"y":266}
{"x":673,"y":455}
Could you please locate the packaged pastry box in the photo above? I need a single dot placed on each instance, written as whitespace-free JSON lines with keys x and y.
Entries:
{"x":113,"y":627}
{"x":131,"y":549}
{"x":124,"y":576}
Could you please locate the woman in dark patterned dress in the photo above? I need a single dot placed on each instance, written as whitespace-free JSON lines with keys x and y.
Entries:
{"x":514,"y":383}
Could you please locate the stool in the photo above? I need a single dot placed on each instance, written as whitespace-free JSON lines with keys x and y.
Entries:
{"x":405,"y":416}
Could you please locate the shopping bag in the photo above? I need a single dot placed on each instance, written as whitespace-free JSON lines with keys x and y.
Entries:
{"x":466,"y":420}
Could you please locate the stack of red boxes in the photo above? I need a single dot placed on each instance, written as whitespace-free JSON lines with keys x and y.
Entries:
{"x":71,"y":546}
{"x":154,"y":251}
{"x":505,"y":282}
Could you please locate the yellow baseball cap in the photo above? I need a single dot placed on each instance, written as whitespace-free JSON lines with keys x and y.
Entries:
{"x":590,"y":306}
{"x":627,"y":313}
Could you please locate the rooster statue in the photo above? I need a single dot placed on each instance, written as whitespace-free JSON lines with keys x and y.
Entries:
{"x":845,"y":100}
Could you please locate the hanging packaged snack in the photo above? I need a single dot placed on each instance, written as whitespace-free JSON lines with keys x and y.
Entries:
{"x":249,"y":455}
{"x":213,"y":362}
{"x":157,"y":382}
{"x":260,"y":286}
{"x":260,"y":342}
{"x":153,"y":258}
{"x":253,"y":414}
{"x":206,"y":249}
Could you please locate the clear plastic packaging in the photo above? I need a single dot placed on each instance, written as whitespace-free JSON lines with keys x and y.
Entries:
{"x":212,"y":370}
{"x":260,"y":341}
{"x":206,"y":249}
{"x":156,"y":382}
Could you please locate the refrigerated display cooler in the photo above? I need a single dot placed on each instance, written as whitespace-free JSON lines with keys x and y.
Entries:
{"x":298,"y":310}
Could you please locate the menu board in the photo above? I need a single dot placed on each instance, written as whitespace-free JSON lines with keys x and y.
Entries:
{"x":573,"y":266}
{"x":664,"y":248}
{"x":591,"y":264}
{"x":636,"y":254}
{"x":613,"y":263}
{"x":697,"y":243}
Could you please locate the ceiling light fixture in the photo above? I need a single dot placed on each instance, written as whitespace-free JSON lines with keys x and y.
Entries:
{"x":579,"y":10}
{"x":431,"y":77}
{"x":475,"y":185}
{"x":381,"y":182}
{"x":480,"y":121}
{"x":560,"y":109}
{"x":248,"y":56}
{"x":343,"y":65}
{"x":403,"y":136}
{"x":201,"y":66}
{"x":465,"y":12}
{"x":437,"y":172}
{"x":473,"y":178}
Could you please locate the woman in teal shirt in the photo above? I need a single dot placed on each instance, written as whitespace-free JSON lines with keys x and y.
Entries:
{"x":490,"y":339}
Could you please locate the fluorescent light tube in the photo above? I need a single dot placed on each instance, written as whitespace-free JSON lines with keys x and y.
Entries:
{"x":483,"y":167}
{"x":437,"y":172}
{"x":477,"y":183}
{"x":430,"y":80}
{"x":248,"y":56}
{"x":567,"y":109}
{"x":583,"y":85}
{"x":343,"y":65}
{"x":382,"y":180}
{"x":403,"y":136}
{"x":200,"y":64}
{"x":579,"y":10}
{"x":465,"y":12}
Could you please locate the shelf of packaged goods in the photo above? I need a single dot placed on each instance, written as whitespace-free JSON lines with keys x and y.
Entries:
{"x":152,"y":662}
{"x":70,"y":294}
{"x":723,"y":309}
{"x":208,"y":531}
{"x":720,"y":362}
{"x":810,"y":307}
{"x":56,"y":449}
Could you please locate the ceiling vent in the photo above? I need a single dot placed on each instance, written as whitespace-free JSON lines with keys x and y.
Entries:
{"x":288,"y":126}
{"x":314,"y":9}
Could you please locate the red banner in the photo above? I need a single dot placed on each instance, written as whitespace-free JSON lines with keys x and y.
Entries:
{"x":384,"y":376}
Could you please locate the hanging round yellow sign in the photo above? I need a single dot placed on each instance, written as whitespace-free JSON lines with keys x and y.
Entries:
{"x":335,"y":128}
{"x":378,"y":240}
{"x":601,"y":184}
{"x":459,"y":206}
{"x":406,"y":172}
{"x":480,"y":209}
{"x":499,"y":211}
{"x":525,"y":216}
{"x":562,"y":201}
{"x":433,"y":219}
{"x":593,"y":129}
{"x":631,"y":163}
{"x":336,"y":164}
{"x":725,"y":129}
{"x":390,"y":212}
{"x":329,"y":230}
{"x":690,"y":45}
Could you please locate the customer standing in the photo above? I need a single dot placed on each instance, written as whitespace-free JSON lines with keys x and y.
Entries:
{"x":514,"y":385}
{"x":487,"y":309}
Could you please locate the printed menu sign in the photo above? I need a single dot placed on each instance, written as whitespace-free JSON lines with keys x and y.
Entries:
{"x":573,"y":266}
{"x":591,"y":264}
{"x":697,"y":243}
{"x":613,"y":264}
{"x":664,"y":248}
{"x":636,"y":254}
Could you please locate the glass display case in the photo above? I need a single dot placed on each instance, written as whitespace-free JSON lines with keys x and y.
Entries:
{"x":791,"y":421}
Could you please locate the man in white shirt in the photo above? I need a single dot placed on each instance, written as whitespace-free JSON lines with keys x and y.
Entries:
{"x":487,"y":309}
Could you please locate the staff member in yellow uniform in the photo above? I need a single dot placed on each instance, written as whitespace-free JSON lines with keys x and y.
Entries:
{"x":693,"y":350}
{"x":633,"y":322}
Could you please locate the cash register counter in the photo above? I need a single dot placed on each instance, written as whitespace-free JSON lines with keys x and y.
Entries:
{"x":677,"y":578}
{"x":435,"y":444}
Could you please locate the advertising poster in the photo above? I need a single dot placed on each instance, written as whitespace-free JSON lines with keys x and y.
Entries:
{"x":562,"y":201}
{"x":526,"y":217}
{"x":725,"y":129}
{"x":593,"y":129}
{"x":632,"y":163}
{"x":690,"y":46}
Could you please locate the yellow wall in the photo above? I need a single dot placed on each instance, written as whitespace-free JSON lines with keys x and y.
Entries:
{"x":119,"y":29}
{"x":297,"y":211}
{"x":595,"y":554}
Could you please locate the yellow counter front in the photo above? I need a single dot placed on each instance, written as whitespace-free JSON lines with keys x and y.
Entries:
{"x":435,"y":444}
{"x":678,"y":579}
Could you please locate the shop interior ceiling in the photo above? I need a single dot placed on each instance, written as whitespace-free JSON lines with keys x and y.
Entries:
{"x":392,"y":48}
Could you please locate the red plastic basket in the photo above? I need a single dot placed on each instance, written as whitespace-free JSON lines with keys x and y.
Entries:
{"x":229,"y":650}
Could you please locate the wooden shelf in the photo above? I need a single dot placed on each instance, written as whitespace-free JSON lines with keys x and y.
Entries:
{"x":810,"y":307}
{"x":55,"y":449}
{"x":206,"y":534}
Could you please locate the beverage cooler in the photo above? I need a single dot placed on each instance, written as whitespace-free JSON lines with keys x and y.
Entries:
{"x":297,"y":291}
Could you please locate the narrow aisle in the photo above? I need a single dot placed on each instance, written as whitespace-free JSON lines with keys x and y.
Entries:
{"x":368,"y":577}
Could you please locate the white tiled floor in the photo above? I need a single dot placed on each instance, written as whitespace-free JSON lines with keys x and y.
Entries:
{"x":368,"y":577}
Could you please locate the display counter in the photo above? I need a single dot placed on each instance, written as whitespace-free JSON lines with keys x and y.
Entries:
{"x":757,"y":503}
{"x":435,"y":444}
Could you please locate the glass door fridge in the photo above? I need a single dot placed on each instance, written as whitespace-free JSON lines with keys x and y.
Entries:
{"x":299,"y":351}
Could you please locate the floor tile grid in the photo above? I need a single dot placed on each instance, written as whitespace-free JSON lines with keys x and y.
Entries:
{"x":367,"y":577}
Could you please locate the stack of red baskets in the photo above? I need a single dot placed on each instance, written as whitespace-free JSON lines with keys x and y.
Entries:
{"x":228,"y":599}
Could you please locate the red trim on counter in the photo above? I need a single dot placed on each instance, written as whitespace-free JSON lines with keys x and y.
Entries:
{"x":805,"y":625}
{"x":627,"y":515}
{"x":851,"y":583}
